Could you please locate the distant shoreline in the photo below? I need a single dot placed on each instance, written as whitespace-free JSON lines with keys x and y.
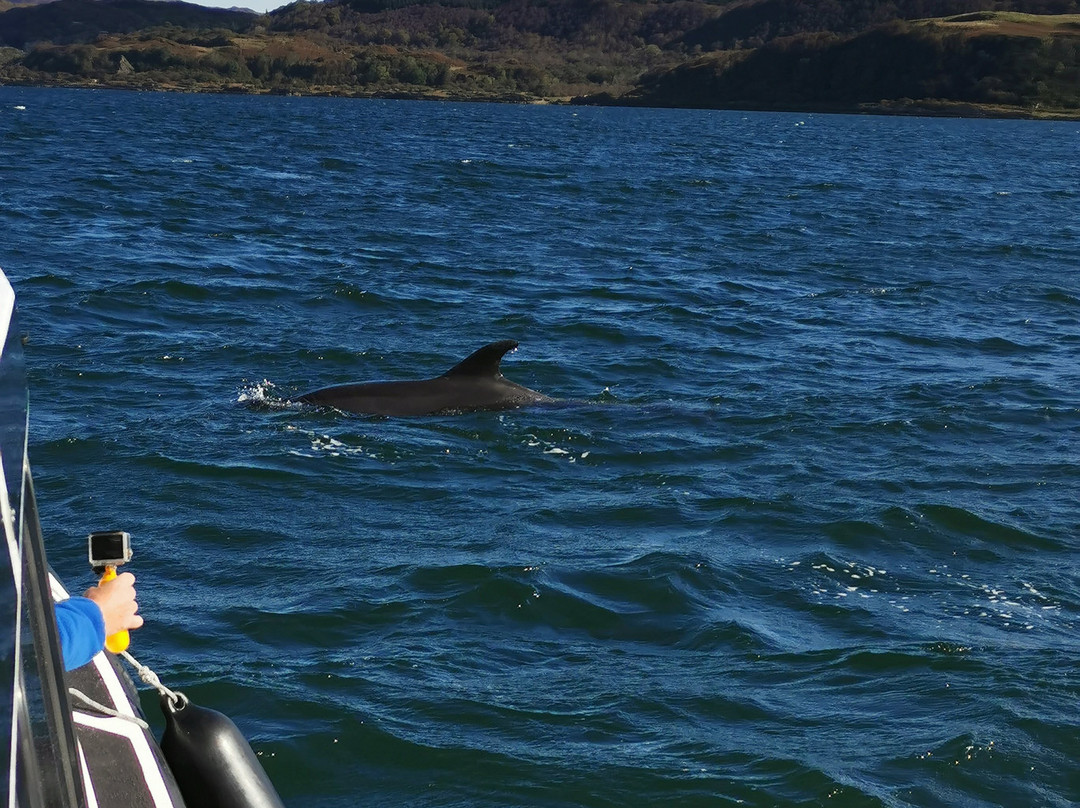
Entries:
{"x":771,"y":55}
{"x":908,"y":108}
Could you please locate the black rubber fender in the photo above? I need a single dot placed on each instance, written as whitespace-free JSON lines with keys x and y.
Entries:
{"x":211,"y":760}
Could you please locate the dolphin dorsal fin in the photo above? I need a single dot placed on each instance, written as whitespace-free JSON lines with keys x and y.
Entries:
{"x":484,"y":362}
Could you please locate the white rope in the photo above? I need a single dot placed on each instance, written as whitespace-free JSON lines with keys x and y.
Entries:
{"x":179,"y":700}
{"x":101,"y":708}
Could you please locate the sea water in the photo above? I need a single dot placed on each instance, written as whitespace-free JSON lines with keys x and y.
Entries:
{"x":804,"y":533}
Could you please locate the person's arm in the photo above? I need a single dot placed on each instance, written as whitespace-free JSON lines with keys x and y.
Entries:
{"x":84,"y":623}
{"x":82,"y":631}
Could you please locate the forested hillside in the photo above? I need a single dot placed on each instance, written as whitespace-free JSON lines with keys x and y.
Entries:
{"x":68,"y":21}
{"x":1021,"y":57}
{"x":998,"y":60}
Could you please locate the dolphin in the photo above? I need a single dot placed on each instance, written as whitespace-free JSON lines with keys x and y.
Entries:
{"x":472,"y":385}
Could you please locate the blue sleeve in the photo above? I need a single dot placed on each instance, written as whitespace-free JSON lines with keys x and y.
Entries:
{"x":82,"y":631}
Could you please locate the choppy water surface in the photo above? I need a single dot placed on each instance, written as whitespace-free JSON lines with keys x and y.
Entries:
{"x":807,"y":534}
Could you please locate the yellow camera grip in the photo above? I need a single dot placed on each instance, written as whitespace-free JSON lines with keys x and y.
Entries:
{"x":119,"y":641}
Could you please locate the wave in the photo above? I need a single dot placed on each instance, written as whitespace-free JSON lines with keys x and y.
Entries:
{"x":658,"y":599}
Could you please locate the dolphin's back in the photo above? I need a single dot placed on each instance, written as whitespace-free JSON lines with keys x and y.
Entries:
{"x":376,"y":398}
{"x":475,"y":383}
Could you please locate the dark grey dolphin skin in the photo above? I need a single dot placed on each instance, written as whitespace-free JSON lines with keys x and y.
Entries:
{"x":473,"y":384}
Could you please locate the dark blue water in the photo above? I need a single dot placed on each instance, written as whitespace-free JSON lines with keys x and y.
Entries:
{"x":807,"y":535}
